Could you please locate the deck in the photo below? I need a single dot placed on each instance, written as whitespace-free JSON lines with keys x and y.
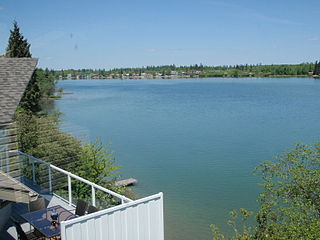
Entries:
{"x":17,"y":209}
{"x":126,"y":182}
{"x":118,"y":216}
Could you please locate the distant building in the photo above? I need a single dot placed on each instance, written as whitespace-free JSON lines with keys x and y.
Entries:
{"x":69,"y":76}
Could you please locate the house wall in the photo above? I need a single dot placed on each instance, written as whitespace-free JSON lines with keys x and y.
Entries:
{"x":138,"y":220}
{"x":3,"y":148}
{"x":8,"y":141}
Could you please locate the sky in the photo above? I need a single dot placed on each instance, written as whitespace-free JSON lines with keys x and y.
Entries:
{"x":135,"y":33}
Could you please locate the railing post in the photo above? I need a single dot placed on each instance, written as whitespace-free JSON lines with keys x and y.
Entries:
{"x":69,"y":190}
{"x":50,"y":180}
{"x":33,"y":172}
{"x":69,"y":175}
{"x":93,"y":195}
{"x":7,"y":160}
{"x":2,"y":151}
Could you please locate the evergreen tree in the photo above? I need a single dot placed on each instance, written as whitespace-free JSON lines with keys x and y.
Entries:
{"x":30,"y":102}
{"x":315,"y":68}
{"x":17,"y":46}
{"x":318,"y":68}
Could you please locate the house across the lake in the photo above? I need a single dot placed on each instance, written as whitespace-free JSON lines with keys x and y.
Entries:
{"x":33,"y":209}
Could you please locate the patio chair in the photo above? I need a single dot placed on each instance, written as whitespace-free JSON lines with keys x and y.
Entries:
{"x":37,"y":205}
{"x":21,"y":234}
{"x":92,"y":209}
{"x":81,"y":207}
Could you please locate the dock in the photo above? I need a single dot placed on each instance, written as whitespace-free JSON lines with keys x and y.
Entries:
{"x":126,"y":182}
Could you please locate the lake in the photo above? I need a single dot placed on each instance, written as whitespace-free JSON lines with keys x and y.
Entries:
{"x":196,"y":140}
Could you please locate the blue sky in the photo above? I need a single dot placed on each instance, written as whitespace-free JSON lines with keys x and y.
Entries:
{"x":108,"y":34}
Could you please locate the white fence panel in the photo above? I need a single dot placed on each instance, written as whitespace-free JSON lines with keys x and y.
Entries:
{"x":137,"y":220}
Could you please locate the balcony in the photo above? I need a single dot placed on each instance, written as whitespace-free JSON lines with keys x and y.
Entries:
{"x":119,"y":217}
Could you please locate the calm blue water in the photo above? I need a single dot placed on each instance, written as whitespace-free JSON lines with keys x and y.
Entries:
{"x":196,"y":140}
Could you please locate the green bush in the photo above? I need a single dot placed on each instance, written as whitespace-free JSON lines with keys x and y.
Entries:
{"x":290,"y":201}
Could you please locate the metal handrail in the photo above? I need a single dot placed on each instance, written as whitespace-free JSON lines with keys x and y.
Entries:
{"x":70,"y":175}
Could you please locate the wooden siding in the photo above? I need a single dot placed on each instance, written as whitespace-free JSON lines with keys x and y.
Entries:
{"x":8,"y":141}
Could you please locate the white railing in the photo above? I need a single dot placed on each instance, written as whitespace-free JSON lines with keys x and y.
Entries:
{"x":70,"y":175}
{"x":141,"y":219}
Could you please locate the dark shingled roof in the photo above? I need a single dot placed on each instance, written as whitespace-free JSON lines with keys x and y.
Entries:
{"x":15,"y":74}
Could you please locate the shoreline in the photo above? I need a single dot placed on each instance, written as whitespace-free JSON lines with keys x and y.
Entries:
{"x":200,"y":77}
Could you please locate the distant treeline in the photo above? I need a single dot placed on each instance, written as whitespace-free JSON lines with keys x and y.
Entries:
{"x":246,"y":70}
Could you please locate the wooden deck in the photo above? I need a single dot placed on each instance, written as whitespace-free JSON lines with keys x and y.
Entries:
{"x":126,"y":182}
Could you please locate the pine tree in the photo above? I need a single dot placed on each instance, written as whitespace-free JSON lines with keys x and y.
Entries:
{"x":315,"y":68}
{"x":18,"y":47}
{"x":30,"y":102}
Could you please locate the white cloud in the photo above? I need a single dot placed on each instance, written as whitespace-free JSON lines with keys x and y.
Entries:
{"x":314,"y":39}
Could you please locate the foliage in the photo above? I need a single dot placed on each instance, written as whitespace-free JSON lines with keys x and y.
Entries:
{"x":246,"y":232}
{"x":243,"y":70}
{"x":290,"y":203}
{"x":17,"y":45}
{"x":40,"y":87}
{"x":316,"y":70}
{"x":46,"y":82}
{"x":96,"y":164}
{"x":41,"y":137}
{"x":42,"y":82}
{"x":30,"y":100}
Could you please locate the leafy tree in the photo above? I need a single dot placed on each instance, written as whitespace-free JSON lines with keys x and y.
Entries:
{"x":96,"y":164}
{"x":290,"y":201}
{"x":46,"y":82}
{"x":245,"y":233}
{"x":17,"y":45}
{"x":41,"y":137}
